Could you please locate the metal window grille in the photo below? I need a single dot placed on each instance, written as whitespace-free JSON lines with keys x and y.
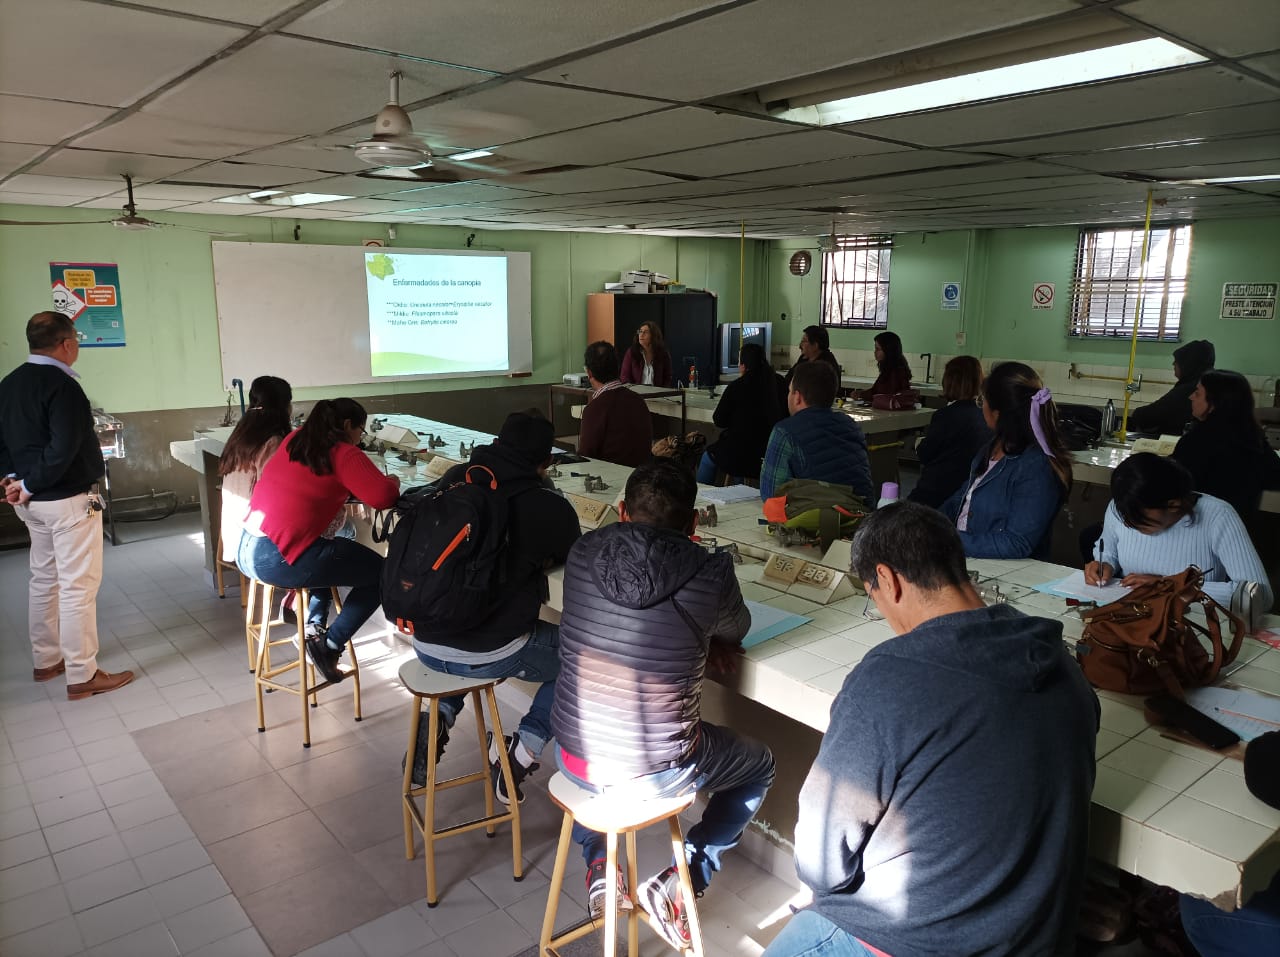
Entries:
{"x":855,"y":282}
{"x":1108,"y":280}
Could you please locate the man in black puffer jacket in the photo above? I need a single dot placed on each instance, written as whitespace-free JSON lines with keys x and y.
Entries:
{"x":644,"y":610}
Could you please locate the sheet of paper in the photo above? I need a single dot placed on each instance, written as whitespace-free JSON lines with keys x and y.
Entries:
{"x":1247,"y":713}
{"x":769,"y":622}
{"x":1073,"y":586}
{"x":728,"y":494}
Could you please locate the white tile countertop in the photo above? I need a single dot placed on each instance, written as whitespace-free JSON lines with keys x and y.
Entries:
{"x":1169,"y":812}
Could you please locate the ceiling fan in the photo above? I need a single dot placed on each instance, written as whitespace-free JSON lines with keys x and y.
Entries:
{"x":398,"y":152}
{"x":129,"y":219}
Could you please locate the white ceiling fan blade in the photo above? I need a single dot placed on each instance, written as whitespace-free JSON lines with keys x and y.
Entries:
{"x":79,"y":222}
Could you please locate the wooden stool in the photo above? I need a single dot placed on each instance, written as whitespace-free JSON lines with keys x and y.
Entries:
{"x":611,"y":815}
{"x":219,"y":563}
{"x":266,"y":674}
{"x":422,"y":682}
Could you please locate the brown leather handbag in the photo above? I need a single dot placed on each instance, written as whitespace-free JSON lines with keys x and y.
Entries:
{"x":1146,"y":643}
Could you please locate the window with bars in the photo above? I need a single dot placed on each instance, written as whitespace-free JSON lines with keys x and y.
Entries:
{"x":855,"y":282}
{"x":1109,"y":283}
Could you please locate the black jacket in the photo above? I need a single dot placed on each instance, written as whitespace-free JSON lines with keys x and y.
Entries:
{"x":46,"y":433}
{"x":1169,"y":414}
{"x":641,"y":605}
{"x":827,"y":356}
{"x":956,"y":434}
{"x":748,"y":410}
{"x":1233,"y":468}
{"x":542,"y":528}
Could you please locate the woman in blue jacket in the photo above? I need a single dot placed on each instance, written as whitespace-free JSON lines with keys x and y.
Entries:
{"x":1017,"y":483}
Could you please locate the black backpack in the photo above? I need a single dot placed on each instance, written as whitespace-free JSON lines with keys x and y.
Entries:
{"x":446,"y":556}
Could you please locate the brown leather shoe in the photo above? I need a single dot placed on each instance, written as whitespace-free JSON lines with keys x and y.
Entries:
{"x":46,"y":674}
{"x":100,"y":682}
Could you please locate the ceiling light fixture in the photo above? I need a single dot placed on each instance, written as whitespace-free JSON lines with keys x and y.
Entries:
{"x":1071,"y":69}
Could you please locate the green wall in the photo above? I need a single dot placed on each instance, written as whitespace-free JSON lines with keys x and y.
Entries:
{"x":998,"y":269}
{"x":171,"y":360}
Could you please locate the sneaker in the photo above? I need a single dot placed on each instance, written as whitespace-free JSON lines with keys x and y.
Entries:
{"x":598,"y":886}
{"x":325,"y":659}
{"x":419,"y":778}
{"x":664,"y":901}
{"x":518,"y":771}
{"x":315,"y":629}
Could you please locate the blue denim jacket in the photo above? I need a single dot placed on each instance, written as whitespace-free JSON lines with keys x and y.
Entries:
{"x":1011,"y":513}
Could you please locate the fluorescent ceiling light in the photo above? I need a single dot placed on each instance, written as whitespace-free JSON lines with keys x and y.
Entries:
{"x":473,"y":155}
{"x":1072,"y":69}
{"x":1266,"y":177}
{"x":276,"y":197}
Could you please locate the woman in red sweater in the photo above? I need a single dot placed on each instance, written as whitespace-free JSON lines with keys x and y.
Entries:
{"x":895,"y":374}
{"x":287,"y":539}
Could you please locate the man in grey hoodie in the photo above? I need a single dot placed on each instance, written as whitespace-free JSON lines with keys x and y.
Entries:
{"x":947,"y":811}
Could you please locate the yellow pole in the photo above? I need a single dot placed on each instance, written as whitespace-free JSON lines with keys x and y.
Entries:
{"x":742,"y":261}
{"x":1137,"y":315}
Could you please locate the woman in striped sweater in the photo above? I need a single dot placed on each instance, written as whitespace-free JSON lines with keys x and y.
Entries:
{"x":1156,"y":525}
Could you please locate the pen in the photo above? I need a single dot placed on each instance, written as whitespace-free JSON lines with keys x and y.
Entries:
{"x":1097,"y":552}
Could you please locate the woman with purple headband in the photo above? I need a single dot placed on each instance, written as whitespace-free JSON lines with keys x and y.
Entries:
{"x":1016,"y":484}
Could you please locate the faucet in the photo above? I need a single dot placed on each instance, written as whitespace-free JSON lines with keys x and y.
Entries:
{"x":928,"y":366}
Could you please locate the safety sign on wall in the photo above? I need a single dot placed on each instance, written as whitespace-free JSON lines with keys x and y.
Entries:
{"x":1042,"y":295}
{"x":951,"y":295}
{"x":1249,"y":300}
{"x":89,"y":295}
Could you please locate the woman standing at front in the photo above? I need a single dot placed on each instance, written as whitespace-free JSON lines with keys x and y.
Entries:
{"x":303,"y":488}
{"x":1017,"y":483}
{"x":647,"y":361}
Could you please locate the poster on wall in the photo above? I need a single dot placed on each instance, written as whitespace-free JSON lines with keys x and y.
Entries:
{"x":951,"y":296}
{"x":1042,"y":295}
{"x":1249,"y":300}
{"x":89,"y":295}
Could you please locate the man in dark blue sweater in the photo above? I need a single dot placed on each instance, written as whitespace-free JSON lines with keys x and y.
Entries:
{"x":947,"y":811}
{"x":51,"y":463}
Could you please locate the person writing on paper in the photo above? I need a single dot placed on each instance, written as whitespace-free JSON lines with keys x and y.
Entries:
{"x":1156,"y":526}
{"x":647,"y":361}
{"x":1016,"y":484}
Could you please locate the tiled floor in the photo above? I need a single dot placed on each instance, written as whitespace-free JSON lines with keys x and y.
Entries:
{"x":156,"y":820}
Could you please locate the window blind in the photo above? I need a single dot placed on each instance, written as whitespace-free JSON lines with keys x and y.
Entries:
{"x":1108,"y":282}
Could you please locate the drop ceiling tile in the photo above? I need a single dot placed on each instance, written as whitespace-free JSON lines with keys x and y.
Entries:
{"x":26,"y":119}
{"x":456,"y":194}
{"x":19,"y":198}
{"x":354,"y":207}
{"x":518,"y":111}
{"x":753,"y":199}
{"x":766,"y":152}
{"x":858,"y":167}
{"x":750,"y":45}
{"x":250,"y":175}
{"x":59,"y":186}
{"x":256,"y":12}
{"x":15,"y":155}
{"x":322,"y":211}
{"x":1215,"y":170}
{"x":99,"y":164}
{"x":117,"y":203}
{"x":588,"y":179}
{"x":176,"y":136}
{"x":680,"y":128}
{"x":222,"y":209}
{"x":285,"y":85}
{"x":1270,"y":65}
{"x":488,"y":34}
{"x":1249,"y":26}
{"x":364,"y":186}
{"x":1204,"y":124}
{"x":1241,"y":149}
{"x":105,"y":55}
{"x":674,"y":189}
{"x":162,"y":193}
{"x":1099,"y":104}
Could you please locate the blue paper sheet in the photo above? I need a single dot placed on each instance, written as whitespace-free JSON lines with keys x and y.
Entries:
{"x":769,"y":622}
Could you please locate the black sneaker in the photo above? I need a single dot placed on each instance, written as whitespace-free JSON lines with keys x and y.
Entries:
{"x":598,"y":887}
{"x":325,"y":659}
{"x":518,"y":771}
{"x":664,"y":901}
{"x":419,"y":778}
